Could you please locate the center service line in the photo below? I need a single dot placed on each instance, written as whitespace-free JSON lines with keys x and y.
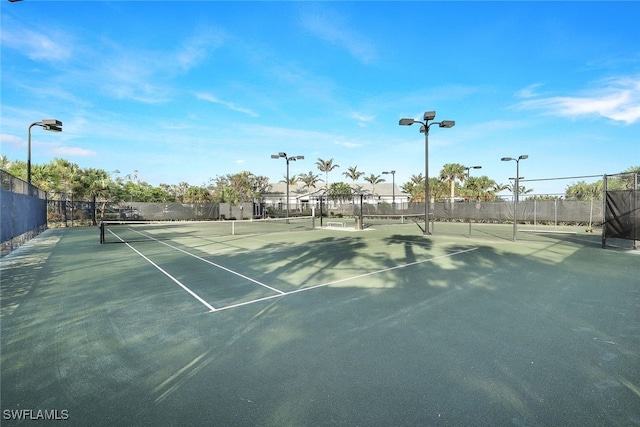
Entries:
{"x":196,"y":296}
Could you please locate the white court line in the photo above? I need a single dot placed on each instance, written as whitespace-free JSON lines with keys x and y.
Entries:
{"x":212,"y":263}
{"x":196,"y":296}
{"x":344,"y":280}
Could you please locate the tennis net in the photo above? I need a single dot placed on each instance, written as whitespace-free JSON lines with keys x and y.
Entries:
{"x":393,"y":219}
{"x":138,"y":231}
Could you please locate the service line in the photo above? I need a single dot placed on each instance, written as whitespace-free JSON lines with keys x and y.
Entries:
{"x":371,"y":273}
{"x":212,"y":263}
{"x":196,"y":296}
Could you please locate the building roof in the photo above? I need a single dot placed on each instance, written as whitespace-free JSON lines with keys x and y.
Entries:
{"x":298,"y":190}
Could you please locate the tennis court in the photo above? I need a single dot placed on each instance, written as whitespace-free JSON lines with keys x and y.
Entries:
{"x":177,"y":324}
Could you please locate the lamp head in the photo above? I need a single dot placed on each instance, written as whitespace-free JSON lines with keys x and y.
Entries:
{"x":447,"y":123}
{"x":429,"y":115}
{"x":282,"y":154}
{"x":275,"y":156}
{"x":406,"y":122}
{"x":52,"y":122}
{"x":300,"y":157}
{"x":524,"y":156}
{"x":507,"y":159}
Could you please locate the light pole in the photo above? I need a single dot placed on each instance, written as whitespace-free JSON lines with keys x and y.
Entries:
{"x":393,"y":189}
{"x":292,"y":158}
{"x":467,"y":169}
{"x":52,"y":125}
{"x":516,"y":190}
{"x":429,"y":115}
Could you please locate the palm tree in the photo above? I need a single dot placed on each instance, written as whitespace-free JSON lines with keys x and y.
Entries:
{"x":373,"y":180}
{"x":293,"y":180}
{"x":415,"y":188}
{"x":326,"y":166}
{"x":353,"y":173}
{"x":437,"y":189}
{"x":480,"y":188}
{"x":310,"y":180}
{"x":96,"y":184}
{"x":450,"y":173}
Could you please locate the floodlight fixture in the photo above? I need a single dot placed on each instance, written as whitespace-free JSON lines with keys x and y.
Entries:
{"x":51,"y":125}
{"x":424,"y":128}
{"x":51,"y":122}
{"x":283,"y":155}
{"x":516,"y":190}
{"x":429,"y":115}
{"x":468,"y":168}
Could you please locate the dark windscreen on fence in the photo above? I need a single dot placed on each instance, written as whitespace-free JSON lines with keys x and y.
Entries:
{"x":23,"y":211}
{"x":622,"y":219}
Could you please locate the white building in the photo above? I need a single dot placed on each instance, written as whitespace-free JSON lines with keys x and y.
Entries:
{"x":302,"y":198}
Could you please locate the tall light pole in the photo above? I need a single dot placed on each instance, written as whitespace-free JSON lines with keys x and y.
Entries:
{"x":429,"y":115}
{"x":393,"y":189}
{"x":516,"y":190}
{"x":288,"y":159}
{"x":467,"y":169}
{"x":52,"y":125}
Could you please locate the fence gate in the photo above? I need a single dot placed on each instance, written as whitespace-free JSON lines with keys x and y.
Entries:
{"x":622,"y":213}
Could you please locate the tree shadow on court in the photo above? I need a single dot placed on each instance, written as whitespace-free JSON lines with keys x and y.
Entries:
{"x":538,"y":333}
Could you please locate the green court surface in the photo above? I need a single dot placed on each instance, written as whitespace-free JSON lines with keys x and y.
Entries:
{"x":382,"y":327}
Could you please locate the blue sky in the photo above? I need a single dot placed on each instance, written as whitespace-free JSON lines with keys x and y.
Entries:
{"x":186,"y":91}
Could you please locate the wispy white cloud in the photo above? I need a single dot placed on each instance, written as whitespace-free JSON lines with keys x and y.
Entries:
{"x":614,"y":98}
{"x":332,"y":28}
{"x":363,"y":119}
{"x":71,"y":151}
{"x":528,"y":92}
{"x":197,"y":48}
{"x":229,"y":105}
{"x":348,"y":144}
{"x":46,"y":44}
{"x":6,"y":139}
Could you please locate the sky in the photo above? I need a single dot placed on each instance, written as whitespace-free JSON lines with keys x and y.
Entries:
{"x":186,"y":91}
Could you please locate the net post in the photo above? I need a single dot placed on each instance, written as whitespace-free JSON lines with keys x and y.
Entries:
{"x":101,"y":232}
{"x":604,"y":211}
{"x":233,"y":228}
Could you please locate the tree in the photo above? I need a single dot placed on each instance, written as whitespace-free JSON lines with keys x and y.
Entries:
{"x":293,"y":179}
{"x":353,"y":174}
{"x":373,"y":180}
{"x":340,"y":191}
{"x":414,"y":188}
{"x":437,"y":189}
{"x":95,"y":183}
{"x":326,"y":166}
{"x":480,"y":188}
{"x":310,"y":180}
{"x":450,"y":173}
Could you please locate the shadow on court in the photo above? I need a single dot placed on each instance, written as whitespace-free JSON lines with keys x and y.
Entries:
{"x":400,"y":330}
